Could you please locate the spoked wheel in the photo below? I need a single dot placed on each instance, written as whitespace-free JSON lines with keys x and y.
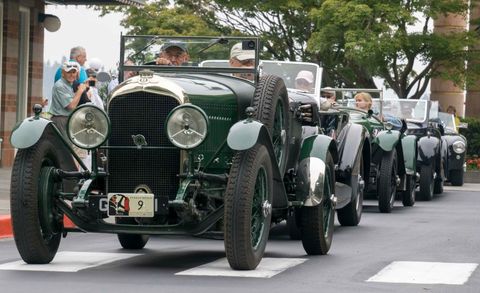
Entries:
{"x":456,"y":177}
{"x":317,"y":221}
{"x":37,"y":222}
{"x":426,"y":182}
{"x":408,"y":195}
{"x":248,"y":209}
{"x":351,"y":214}
{"x":131,"y":241}
{"x":270,"y":102}
{"x":387,"y":183}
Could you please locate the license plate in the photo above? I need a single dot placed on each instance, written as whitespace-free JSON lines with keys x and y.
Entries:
{"x":130,"y":205}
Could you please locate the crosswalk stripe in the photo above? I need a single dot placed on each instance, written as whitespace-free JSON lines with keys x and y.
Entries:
{"x":69,"y":261}
{"x":267,"y":268}
{"x":415,"y":272}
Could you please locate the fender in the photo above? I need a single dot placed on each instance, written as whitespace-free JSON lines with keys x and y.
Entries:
{"x":244,"y":135}
{"x":28,"y":132}
{"x":351,"y":145}
{"x":387,"y":139}
{"x":409,"y":146}
{"x":311,"y":168}
{"x":428,"y":147}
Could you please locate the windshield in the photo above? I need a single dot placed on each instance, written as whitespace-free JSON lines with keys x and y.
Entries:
{"x":410,"y":110}
{"x":185,"y":54}
{"x":448,"y":120}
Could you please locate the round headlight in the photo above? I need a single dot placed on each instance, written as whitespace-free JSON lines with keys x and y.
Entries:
{"x":88,"y":127}
{"x":458,"y":147}
{"x":388,"y":126}
{"x":187,"y":126}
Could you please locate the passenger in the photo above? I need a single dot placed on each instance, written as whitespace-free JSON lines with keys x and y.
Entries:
{"x":173,"y":53}
{"x":364,"y":102}
{"x":242,"y":58}
{"x":79,"y":55}
{"x":304,"y":81}
{"x":452,"y":110}
{"x":329,"y":94}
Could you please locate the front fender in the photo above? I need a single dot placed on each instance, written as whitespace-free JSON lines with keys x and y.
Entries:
{"x":311,"y":168}
{"x":28,"y":132}
{"x":387,"y":139}
{"x":351,"y":144}
{"x":428,"y":148}
{"x":409,"y":146}
{"x":244,"y":134}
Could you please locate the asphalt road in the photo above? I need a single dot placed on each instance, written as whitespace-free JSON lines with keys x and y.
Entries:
{"x":441,"y":234}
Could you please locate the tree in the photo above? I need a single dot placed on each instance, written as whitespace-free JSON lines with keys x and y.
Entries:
{"x":379,"y":37}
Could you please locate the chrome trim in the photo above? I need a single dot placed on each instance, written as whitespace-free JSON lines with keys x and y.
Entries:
{"x":311,"y":179}
{"x":154,"y":84}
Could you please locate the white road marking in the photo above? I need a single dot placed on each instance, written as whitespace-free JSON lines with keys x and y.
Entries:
{"x":415,"y":272}
{"x":267,"y":268}
{"x":69,"y":261}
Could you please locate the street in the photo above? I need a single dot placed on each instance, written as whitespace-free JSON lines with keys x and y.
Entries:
{"x":435,"y":243}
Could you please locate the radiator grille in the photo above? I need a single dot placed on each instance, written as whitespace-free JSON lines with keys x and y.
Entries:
{"x":145,"y":114}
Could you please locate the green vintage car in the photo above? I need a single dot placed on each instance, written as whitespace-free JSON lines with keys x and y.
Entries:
{"x":181,"y":150}
{"x":388,"y":155}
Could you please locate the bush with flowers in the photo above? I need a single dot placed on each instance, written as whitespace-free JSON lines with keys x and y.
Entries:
{"x":473,"y":163}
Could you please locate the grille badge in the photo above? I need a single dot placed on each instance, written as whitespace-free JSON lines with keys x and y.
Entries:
{"x":139,"y":140}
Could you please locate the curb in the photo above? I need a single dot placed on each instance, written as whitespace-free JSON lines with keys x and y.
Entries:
{"x":6,"y":225}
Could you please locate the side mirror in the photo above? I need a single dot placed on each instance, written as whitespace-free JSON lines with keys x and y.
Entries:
{"x":103,"y":76}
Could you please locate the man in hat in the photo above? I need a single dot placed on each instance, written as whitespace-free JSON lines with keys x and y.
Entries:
{"x":64,"y":99}
{"x":242,"y":58}
{"x":79,"y":55}
{"x":304,"y":81}
{"x":173,"y":53}
{"x":328,"y":93}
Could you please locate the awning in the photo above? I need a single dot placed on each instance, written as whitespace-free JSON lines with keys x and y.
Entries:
{"x":97,"y":2}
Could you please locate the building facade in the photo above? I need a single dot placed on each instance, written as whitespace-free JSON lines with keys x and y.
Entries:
{"x":21,"y":61}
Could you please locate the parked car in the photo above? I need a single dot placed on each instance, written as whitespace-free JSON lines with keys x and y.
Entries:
{"x":183,"y":150}
{"x":388,"y":154}
{"x":454,"y":147}
{"x":429,"y":143}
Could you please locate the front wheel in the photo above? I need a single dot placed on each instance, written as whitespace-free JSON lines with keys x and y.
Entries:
{"x":387,"y":183}
{"x":248,"y":208}
{"x":351,"y":214}
{"x":456,"y":177}
{"x":37,"y":222}
{"x":426,"y":183}
{"x":408,"y":195}
{"x":317,"y":221}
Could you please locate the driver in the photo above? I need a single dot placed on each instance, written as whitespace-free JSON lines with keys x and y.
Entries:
{"x":304,"y":81}
{"x":363,"y":101}
{"x":242,"y":58}
{"x":173,"y":53}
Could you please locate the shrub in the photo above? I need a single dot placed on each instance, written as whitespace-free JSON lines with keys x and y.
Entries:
{"x":472,"y":136}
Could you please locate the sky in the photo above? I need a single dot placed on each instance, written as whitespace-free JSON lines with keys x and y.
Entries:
{"x":80,"y":26}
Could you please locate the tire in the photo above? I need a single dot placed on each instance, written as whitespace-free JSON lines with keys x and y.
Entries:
{"x":292,"y":225}
{"x":438,"y":185}
{"x":351,"y":214}
{"x":248,"y":211}
{"x":131,"y":241}
{"x":317,"y":221}
{"x":456,"y":177}
{"x":387,"y":182}
{"x":37,"y":223}
{"x":426,"y":183}
{"x":270,"y":102}
{"x":408,"y":195}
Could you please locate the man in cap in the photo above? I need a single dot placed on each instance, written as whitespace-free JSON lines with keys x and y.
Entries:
{"x":64,"y":99}
{"x":173,"y":53}
{"x":242,"y":58}
{"x":328,"y":93}
{"x":79,"y":55}
{"x":304,"y":81}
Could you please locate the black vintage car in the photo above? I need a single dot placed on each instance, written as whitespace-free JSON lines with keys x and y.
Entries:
{"x":454,"y":148}
{"x":181,"y":150}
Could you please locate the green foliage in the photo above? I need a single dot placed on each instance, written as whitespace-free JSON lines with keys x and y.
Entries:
{"x":471,"y":134}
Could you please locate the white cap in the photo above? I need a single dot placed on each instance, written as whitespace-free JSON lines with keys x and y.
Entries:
{"x":328,"y":90}
{"x":95,"y":64}
{"x":240,"y":54}
{"x":70,"y":65}
{"x":306,"y":75}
